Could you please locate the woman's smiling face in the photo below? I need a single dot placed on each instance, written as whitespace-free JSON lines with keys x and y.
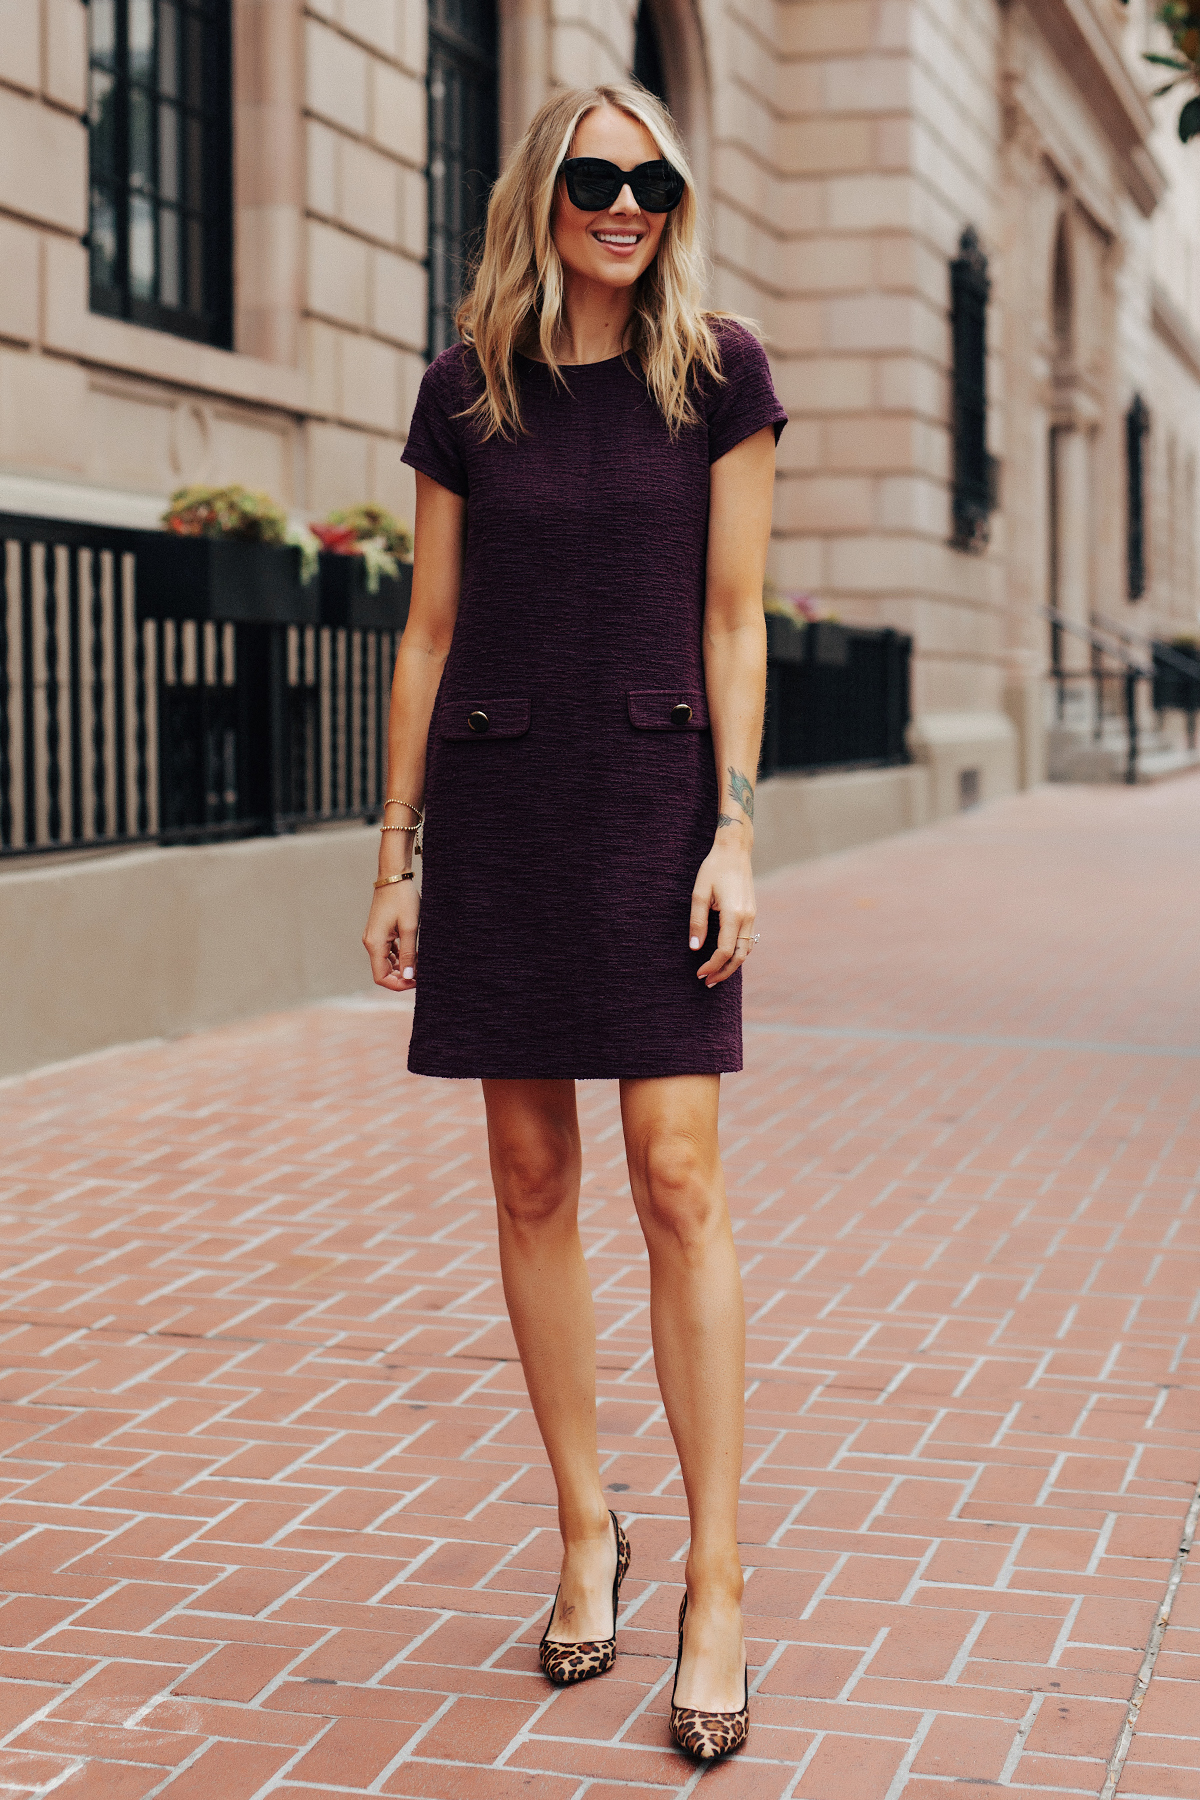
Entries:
{"x":616,"y":246}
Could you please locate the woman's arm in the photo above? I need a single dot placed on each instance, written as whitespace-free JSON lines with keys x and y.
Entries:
{"x":391,"y":934}
{"x":741,"y":486}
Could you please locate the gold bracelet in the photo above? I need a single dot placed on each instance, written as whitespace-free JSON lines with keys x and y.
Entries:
{"x":400,"y":827}
{"x":408,"y":803}
{"x":387,"y":880}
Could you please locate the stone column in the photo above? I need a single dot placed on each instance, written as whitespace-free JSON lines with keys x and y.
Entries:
{"x":268,"y":124}
{"x":524,"y":66}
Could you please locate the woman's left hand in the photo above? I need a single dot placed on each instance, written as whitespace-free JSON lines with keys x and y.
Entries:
{"x":724,"y":884}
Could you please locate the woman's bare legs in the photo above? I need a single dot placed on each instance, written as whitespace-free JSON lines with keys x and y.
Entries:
{"x":699,"y":1342}
{"x":533,"y":1138}
{"x":699,"y":1329}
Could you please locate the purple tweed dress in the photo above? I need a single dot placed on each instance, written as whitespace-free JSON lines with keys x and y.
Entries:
{"x":570,"y":797}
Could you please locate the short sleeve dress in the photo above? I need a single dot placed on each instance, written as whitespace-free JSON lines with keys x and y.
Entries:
{"x":571,"y":792}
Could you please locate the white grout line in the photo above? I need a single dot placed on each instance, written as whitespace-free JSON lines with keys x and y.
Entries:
{"x":900,"y":1779}
{"x":1116,"y":1761}
{"x":808,"y":1756}
{"x":402,"y":1756}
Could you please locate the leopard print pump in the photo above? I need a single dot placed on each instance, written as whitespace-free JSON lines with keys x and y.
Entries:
{"x":707,"y":1735}
{"x":565,"y":1664}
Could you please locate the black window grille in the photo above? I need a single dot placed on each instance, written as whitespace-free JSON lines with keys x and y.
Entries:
{"x":1137,"y":429}
{"x":974,"y":473}
{"x":160,"y":153}
{"x":463,"y":150}
{"x":647,"y":54}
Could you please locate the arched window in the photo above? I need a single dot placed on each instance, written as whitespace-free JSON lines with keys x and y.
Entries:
{"x":463,"y":149}
{"x":647,"y":54}
{"x":160,"y":165}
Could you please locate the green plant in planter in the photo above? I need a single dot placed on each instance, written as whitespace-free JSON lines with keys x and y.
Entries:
{"x":226,"y":512}
{"x":371,"y":532}
{"x":240,"y":513}
{"x":370,"y":521}
{"x":802,"y":609}
{"x":1182,"y":20}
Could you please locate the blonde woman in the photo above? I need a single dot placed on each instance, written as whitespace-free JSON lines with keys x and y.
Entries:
{"x":578,"y":700}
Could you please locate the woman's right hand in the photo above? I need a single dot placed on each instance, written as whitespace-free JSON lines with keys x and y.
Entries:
{"x":390,"y":939}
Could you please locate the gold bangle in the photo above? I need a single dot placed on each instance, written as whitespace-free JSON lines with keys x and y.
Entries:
{"x":408,"y":803}
{"x":400,"y":828}
{"x":387,"y":880}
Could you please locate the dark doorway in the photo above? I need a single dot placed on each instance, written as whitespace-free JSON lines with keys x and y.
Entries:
{"x":463,"y":150}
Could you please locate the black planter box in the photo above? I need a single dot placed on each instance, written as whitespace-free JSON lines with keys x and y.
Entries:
{"x":1176,"y":685}
{"x":347,"y":601}
{"x":225,"y":579}
{"x":785,"y":639}
{"x":837,"y":696}
{"x":821,"y":641}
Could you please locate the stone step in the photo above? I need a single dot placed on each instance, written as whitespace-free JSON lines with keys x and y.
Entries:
{"x":1076,"y":755}
{"x":1161,"y":765}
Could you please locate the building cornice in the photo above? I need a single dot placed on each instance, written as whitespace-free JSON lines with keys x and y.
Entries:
{"x":1087,"y":46}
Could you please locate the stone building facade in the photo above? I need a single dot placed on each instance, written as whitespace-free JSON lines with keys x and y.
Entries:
{"x":842,"y":147}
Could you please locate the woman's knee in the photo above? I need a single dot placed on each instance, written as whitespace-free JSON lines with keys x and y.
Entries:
{"x":536,"y":1175}
{"x":678,"y":1183}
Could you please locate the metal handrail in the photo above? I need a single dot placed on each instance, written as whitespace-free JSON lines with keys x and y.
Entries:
{"x":1090,"y":636}
{"x":1132,"y":673}
{"x":1163,"y":653}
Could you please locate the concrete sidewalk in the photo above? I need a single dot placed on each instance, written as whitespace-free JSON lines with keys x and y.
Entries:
{"x":276,"y":1518}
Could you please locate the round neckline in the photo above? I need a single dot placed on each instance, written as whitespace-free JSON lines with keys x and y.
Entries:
{"x":605,"y":362}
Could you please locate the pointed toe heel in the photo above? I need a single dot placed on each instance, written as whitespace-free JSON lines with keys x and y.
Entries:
{"x":565,"y":1664}
{"x":707,"y":1735}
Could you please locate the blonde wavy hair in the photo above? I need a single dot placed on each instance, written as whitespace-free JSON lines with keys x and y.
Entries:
{"x":516,"y":298}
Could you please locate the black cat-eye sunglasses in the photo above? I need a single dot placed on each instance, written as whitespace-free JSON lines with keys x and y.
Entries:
{"x":593,"y":184}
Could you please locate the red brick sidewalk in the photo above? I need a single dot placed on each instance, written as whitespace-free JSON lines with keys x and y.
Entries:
{"x":277,"y":1521}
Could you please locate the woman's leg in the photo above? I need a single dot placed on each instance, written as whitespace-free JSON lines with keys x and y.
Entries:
{"x":699,"y":1329}
{"x":533,"y":1139}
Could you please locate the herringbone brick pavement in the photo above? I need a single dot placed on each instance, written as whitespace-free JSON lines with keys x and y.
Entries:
{"x":276,"y":1520}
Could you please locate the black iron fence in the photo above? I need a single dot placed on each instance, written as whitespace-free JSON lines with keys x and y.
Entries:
{"x":837,"y":696}
{"x":157,"y":689}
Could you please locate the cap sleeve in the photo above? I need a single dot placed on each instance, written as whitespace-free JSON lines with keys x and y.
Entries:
{"x":746,"y":400}
{"x":435,"y":435}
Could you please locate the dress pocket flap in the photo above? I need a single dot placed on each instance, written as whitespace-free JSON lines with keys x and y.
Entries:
{"x":668,"y":709}
{"x":475,"y":716}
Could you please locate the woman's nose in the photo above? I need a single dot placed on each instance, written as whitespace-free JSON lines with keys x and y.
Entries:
{"x":625,"y":202}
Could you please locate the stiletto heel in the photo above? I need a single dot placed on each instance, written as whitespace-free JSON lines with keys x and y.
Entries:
{"x":565,"y":1664}
{"x":707,"y":1735}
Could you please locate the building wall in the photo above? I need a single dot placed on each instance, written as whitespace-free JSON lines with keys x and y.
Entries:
{"x":1130,"y":222}
{"x":1172,"y":365}
{"x":364,"y":284}
{"x":312,"y":404}
{"x":885,"y":147}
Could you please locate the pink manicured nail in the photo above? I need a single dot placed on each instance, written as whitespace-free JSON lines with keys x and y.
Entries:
{"x":408,"y":974}
{"x":695,"y":943}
